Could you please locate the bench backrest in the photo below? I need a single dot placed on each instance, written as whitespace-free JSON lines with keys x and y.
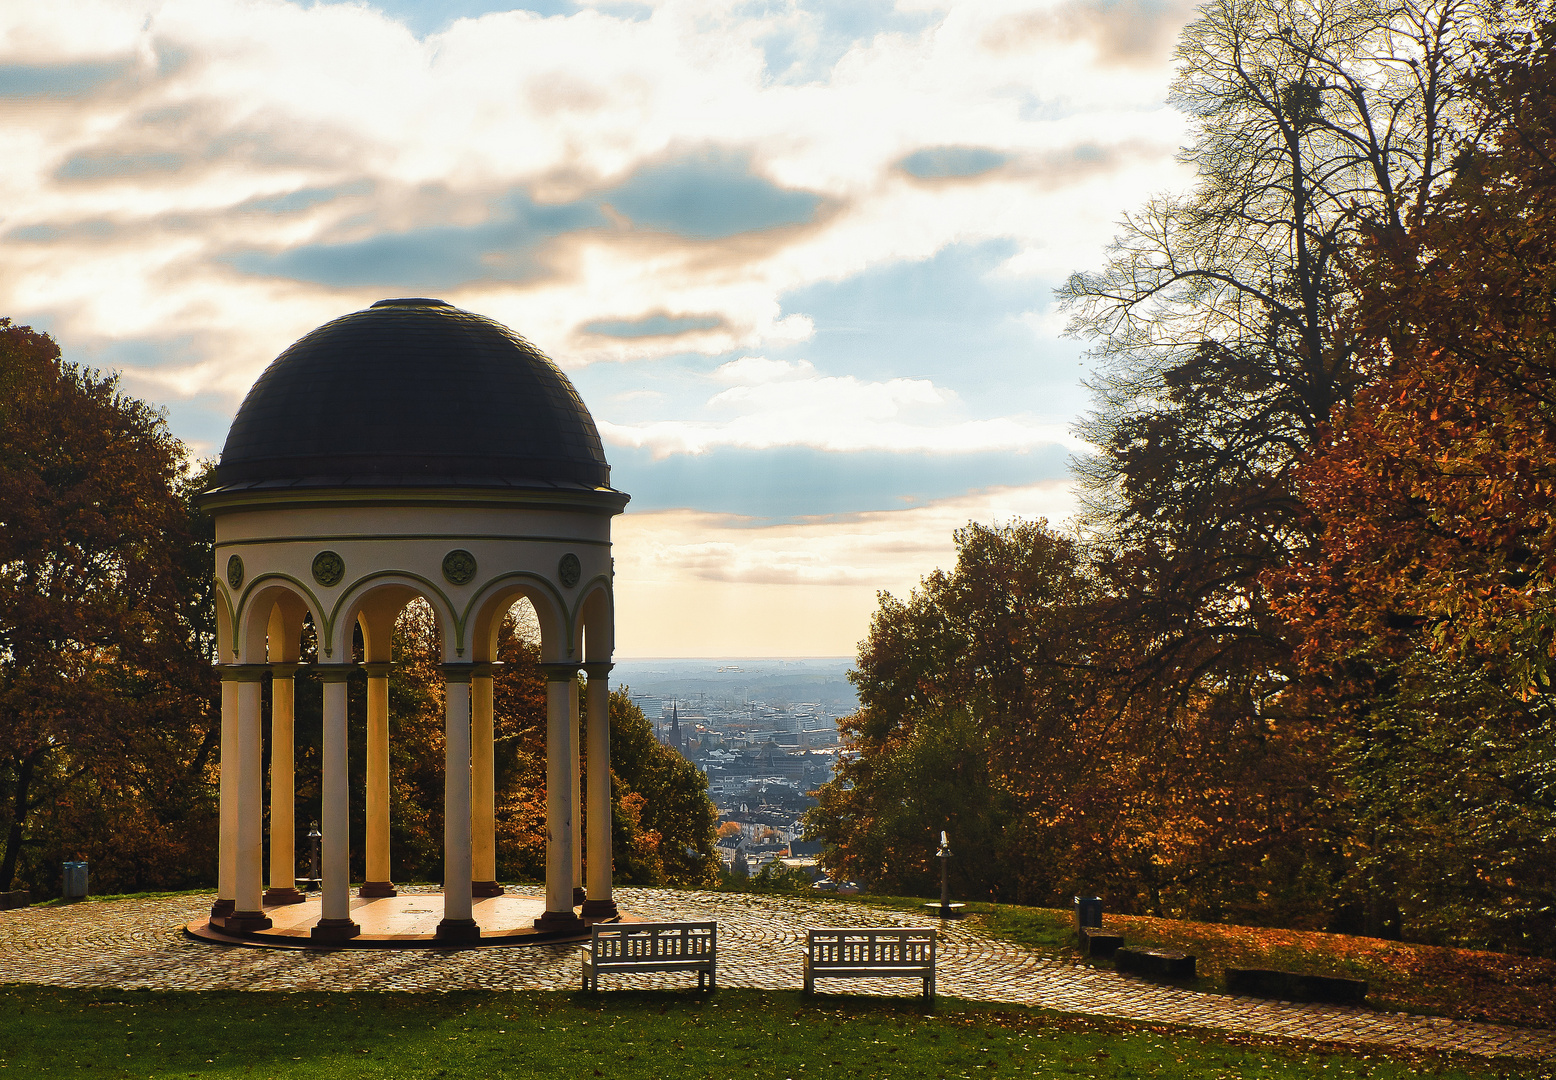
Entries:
{"x":654,"y":941}
{"x":873,"y":947}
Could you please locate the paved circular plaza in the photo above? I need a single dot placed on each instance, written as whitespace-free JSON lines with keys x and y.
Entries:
{"x":140,"y":944}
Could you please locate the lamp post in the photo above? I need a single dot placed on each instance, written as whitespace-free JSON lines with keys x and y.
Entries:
{"x":314,"y":836}
{"x":945,"y":909}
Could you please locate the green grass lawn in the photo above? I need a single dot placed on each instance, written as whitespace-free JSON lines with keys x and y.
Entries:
{"x":733,"y":1033}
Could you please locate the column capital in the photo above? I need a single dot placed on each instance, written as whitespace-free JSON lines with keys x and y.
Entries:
{"x":243,"y":672}
{"x":284,"y":669}
{"x":334,"y":672}
{"x":565,"y":672}
{"x":485,"y":669}
{"x":597,"y":669}
{"x":457,"y":673}
{"x":377,"y":669}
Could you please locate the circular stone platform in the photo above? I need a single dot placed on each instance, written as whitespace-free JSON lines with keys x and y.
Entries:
{"x":408,"y":921}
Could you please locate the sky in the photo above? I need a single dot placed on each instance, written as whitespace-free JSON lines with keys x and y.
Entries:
{"x":798,"y":256}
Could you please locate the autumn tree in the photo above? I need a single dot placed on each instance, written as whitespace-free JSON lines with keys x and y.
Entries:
{"x":1224,"y":320}
{"x":969,"y":722}
{"x":1425,"y":613}
{"x":106,"y":690}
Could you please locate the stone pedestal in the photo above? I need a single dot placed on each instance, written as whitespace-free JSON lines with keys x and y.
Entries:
{"x":460,"y":930}
{"x":334,"y":930}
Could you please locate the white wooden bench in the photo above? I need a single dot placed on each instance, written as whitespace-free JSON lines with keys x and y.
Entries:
{"x":871,"y":953}
{"x":648,"y":946}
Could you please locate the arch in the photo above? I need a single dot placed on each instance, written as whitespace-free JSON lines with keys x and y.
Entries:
{"x":226,"y":627}
{"x":596,"y":621}
{"x":388,"y":591}
{"x":486,"y":609}
{"x":377,"y":614}
{"x":269,"y":593}
{"x":285,"y":631}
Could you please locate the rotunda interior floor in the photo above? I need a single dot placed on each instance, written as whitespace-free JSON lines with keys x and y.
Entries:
{"x":407,"y":921}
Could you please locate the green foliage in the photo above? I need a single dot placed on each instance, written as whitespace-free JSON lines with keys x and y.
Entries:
{"x":776,"y":878}
{"x":969,"y":696}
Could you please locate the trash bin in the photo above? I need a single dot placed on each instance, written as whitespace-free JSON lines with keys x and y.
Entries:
{"x":1088,"y":913}
{"x":74,"y":886}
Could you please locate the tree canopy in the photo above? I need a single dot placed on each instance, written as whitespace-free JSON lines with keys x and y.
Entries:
{"x":106,"y":690}
{"x":1298,"y":664}
{"x":1425,"y":610}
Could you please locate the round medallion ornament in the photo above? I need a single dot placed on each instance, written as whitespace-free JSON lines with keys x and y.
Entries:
{"x":328,"y":568}
{"x":235,"y":572}
{"x":568,"y":570}
{"x":459,"y":567}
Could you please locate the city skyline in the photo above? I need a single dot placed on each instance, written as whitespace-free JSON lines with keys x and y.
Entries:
{"x":798,"y":258}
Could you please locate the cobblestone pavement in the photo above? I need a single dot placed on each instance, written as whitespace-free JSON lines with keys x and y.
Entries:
{"x":136,"y":944}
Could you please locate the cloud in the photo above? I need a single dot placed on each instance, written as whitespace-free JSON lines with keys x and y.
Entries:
{"x":756,"y":370}
{"x":620,"y":182}
{"x":951,"y":162}
{"x":657,"y":324}
{"x":504,"y":247}
{"x":427,"y":17}
{"x":794,"y":483}
{"x":780,"y":404}
{"x":1124,"y":33}
{"x":804,"y":41}
{"x":882,"y":550}
{"x":696,"y":584}
{"x":101,"y":164}
{"x":62,"y":80}
{"x":707,"y":196}
{"x":302,"y":199}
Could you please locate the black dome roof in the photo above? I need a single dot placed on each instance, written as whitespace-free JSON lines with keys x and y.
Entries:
{"x":410,"y":393}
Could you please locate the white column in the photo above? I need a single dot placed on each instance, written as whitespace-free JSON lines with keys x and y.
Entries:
{"x":378,"y":881}
{"x":283,"y":787}
{"x":335,"y":814}
{"x":561,"y":757}
{"x":600,"y":904}
{"x":458,"y":923}
{"x":227,"y":796}
{"x":575,"y":792}
{"x":248,"y":905}
{"x":483,"y":793}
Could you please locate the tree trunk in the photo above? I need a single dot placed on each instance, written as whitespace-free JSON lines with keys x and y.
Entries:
{"x":19,"y":808}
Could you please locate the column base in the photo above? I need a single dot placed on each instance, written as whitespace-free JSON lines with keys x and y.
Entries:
{"x":559,"y":920}
{"x":334,"y":930}
{"x":377,"y":889}
{"x":460,"y":930}
{"x":221,"y":909}
{"x":578,"y":895}
{"x":283,"y":895}
{"x":246,"y":922}
{"x":600,"y":910}
{"x":486,"y":888}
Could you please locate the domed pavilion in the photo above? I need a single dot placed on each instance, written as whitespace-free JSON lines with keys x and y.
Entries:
{"x":409,"y":450}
